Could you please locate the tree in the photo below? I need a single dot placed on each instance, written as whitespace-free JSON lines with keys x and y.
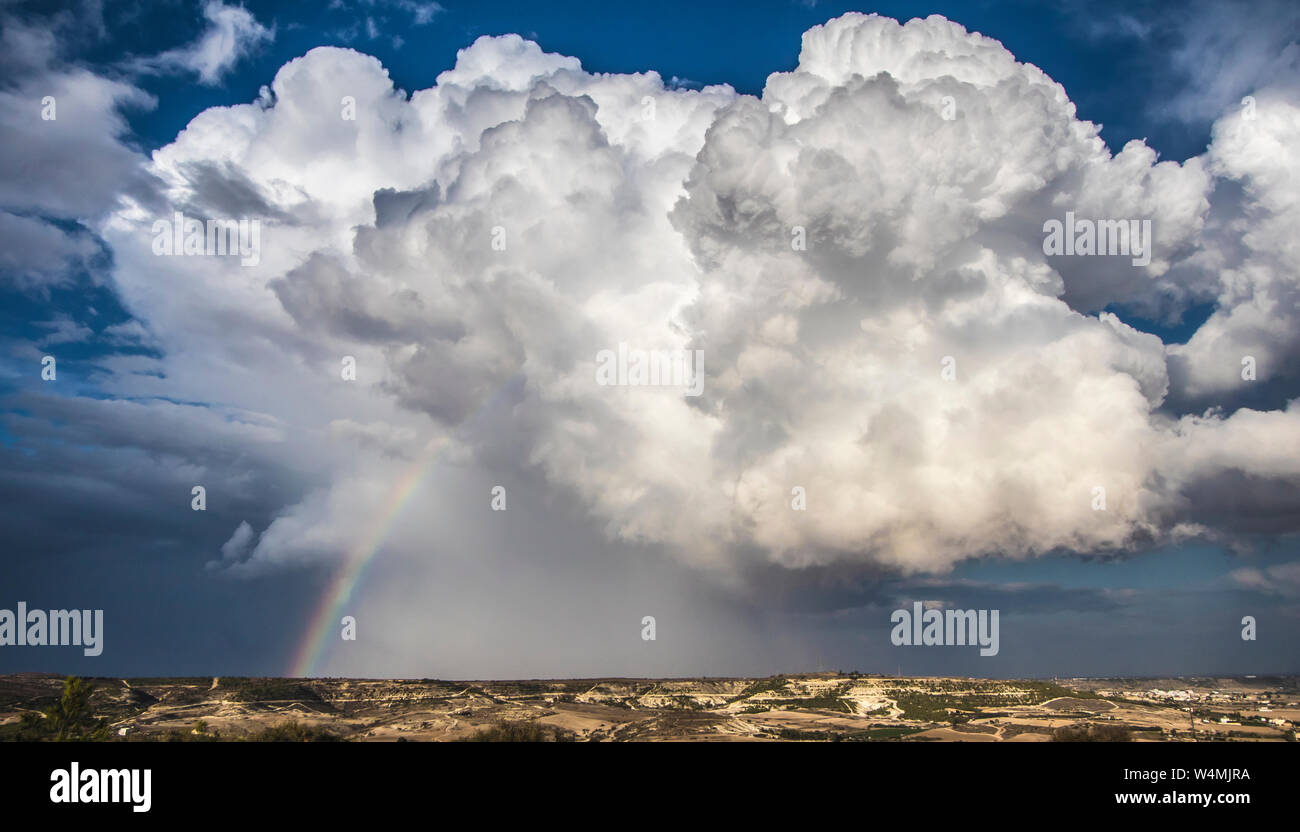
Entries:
{"x":71,"y":718}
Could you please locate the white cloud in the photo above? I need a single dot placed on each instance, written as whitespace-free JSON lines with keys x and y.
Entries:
{"x":663,"y":218}
{"x":239,"y":542}
{"x":35,"y":175}
{"x":422,"y":13}
{"x":1227,"y":50}
{"x":1253,"y":251}
{"x":231,"y":33}
{"x":36,"y":254}
{"x":63,"y":330}
{"x":65,"y":158}
{"x":1282,"y":579}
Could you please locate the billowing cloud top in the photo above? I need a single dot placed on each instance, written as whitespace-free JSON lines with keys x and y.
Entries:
{"x":858,"y":255}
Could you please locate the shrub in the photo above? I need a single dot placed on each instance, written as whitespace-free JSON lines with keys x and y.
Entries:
{"x":1092,"y":733}
{"x":521,"y":732}
{"x":292,"y":731}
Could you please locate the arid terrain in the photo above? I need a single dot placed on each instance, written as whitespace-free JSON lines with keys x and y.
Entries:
{"x":805,"y":707}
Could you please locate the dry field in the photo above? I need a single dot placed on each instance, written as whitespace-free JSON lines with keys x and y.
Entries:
{"x":808,"y":707}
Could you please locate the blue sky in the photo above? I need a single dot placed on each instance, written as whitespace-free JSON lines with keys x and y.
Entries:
{"x":96,"y":496}
{"x":1116,"y":78}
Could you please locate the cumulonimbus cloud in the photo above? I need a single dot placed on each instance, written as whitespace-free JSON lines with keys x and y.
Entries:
{"x":857,"y":253}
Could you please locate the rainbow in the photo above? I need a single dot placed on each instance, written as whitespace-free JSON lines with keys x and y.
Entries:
{"x":321,"y":631}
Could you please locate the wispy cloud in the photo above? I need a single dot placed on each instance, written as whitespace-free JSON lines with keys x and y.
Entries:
{"x":232,"y":32}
